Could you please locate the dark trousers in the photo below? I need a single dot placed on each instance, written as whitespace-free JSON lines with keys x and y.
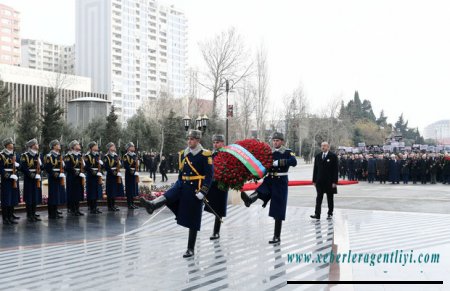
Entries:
{"x":153,"y":175}
{"x":371,"y":177}
{"x":405,"y":178}
{"x":164,"y":176}
{"x":319,"y":198}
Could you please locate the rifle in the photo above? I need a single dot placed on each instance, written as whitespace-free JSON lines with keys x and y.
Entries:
{"x":14,"y":184}
{"x":100,"y":178}
{"x":136,"y":169}
{"x":61,"y":169}
{"x":82,"y":170}
{"x":119,"y":179}
{"x":38,"y":171}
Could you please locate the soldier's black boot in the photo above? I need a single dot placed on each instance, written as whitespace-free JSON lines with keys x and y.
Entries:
{"x":113,"y":203}
{"x":249,"y":199}
{"x":58,"y":213}
{"x":30,"y":217}
{"x":51,"y":212}
{"x":130,"y":203}
{"x":33,"y":213}
{"x":10,"y":215}
{"x":77,"y":209}
{"x":216,"y":232}
{"x":191,"y":243}
{"x":5,"y":215}
{"x":151,"y":206}
{"x":276,"y":236}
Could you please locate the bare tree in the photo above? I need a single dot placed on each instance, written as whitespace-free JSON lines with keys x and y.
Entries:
{"x":246,"y":105}
{"x":262,"y":81}
{"x":226,"y":58}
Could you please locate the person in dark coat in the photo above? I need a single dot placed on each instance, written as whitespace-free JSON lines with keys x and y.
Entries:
{"x":325,"y":178}
{"x":114,"y":181}
{"x":414,"y":168}
{"x":75,"y":178}
{"x":351,"y":168}
{"x":56,"y":180}
{"x":358,"y":168}
{"x":433,"y":165}
{"x":10,"y":193}
{"x":275,"y":185}
{"x":163,"y":169}
{"x":405,"y":166}
{"x":394,"y":170}
{"x":343,"y":166}
{"x":152,"y":166}
{"x":30,"y":165}
{"x":422,"y":166}
{"x":131,"y":175}
{"x":446,"y":169}
{"x":94,"y":177}
{"x":371,"y":168}
{"x":381,"y":169}
{"x":217,"y":198}
{"x":185,"y":198}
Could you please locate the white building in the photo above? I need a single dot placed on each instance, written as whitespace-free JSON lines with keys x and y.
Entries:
{"x":40,"y":55}
{"x":30,"y":85}
{"x":439,"y":130}
{"x":134,"y":50}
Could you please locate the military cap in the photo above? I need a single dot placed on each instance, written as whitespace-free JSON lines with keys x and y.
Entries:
{"x":53,"y":143}
{"x":278,"y":135}
{"x":73,"y":143}
{"x":92,"y":144}
{"x":218,"y":137}
{"x":7,"y":141}
{"x":31,"y":143}
{"x":108,"y":145}
{"x":195,"y":134}
{"x":128,"y":145}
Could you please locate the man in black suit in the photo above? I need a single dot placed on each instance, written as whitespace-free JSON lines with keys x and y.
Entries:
{"x":325,"y":178}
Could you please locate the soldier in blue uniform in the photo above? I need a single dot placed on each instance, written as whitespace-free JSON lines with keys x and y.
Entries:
{"x":217,"y":198}
{"x":114,"y":183}
{"x":56,"y":185}
{"x":75,"y":178}
{"x":32,"y":191}
{"x":275,"y":185}
{"x":131,"y":174}
{"x":10,"y":194}
{"x":185,"y":198}
{"x":94,"y":190}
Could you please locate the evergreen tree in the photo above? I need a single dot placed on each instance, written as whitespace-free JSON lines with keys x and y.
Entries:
{"x":382,"y":120}
{"x":27,"y":125}
{"x":112,"y":129}
{"x":174,"y":134}
{"x":52,"y":119}
{"x":6,"y":112}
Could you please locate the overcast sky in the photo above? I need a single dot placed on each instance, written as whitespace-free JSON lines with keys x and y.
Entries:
{"x":395,"y":53}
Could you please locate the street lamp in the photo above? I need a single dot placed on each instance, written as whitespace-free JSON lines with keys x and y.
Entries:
{"x":186,"y":122}
{"x":198,"y":123}
{"x":228,"y":108}
{"x":205,"y":120}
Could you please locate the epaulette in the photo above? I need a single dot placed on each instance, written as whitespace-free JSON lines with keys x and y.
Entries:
{"x":207,"y":153}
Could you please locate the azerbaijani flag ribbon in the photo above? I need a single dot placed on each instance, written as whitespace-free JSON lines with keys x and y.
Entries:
{"x":250,"y":162}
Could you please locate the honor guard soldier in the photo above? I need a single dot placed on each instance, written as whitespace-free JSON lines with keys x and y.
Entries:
{"x":30,"y":165}
{"x":54,"y":166}
{"x":185,"y":198}
{"x":114,"y":184}
{"x":74,"y":165}
{"x":131,"y":175}
{"x":10,"y":194}
{"x":217,"y":198}
{"x":94,"y":177}
{"x":275,"y":185}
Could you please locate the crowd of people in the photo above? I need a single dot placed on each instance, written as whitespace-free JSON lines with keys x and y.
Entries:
{"x":415,"y":168}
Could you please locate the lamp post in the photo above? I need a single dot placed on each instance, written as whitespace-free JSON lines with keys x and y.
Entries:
{"x":201,"y":122}
{"x":229,"y":110}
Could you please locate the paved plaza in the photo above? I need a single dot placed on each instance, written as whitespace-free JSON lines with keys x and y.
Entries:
{"x":131,"y":250}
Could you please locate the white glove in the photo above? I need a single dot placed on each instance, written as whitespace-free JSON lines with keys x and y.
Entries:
{"x":136,"y":173}
{"x":100,"y":162}
{"x":63,"y":164}
{"x":40,"y":163}
{"x":82,"y":175}
{"x":14,"y":177}
{"x":16,"y":164}
{"x":62,"y":175}
{"x":275,"y":163}
{"x":119,"y":174}
{"x":200,"y":195}
{"x":37,"y":177}
{"x":99,"y":174}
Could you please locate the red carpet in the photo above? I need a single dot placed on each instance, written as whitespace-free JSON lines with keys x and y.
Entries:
{"x":253,"y":186}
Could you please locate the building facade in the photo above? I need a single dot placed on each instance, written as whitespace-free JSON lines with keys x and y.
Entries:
{"x":133,"y":50}
{"x":29,"y":85}
{"x":41,"y":55}
{"x":439,"y":131}
{"x":9,"y":36}
{"x":81,"y":111}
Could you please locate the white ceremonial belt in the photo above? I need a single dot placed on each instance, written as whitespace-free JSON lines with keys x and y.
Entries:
{"x":76,"y":168}
{"x":278,"y":174}
{"x":8,"y":170}
{"x":132,"y":168}
{"x":113,"y":168}
{"x":32,"y":170}
{"x":56,"y":170}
